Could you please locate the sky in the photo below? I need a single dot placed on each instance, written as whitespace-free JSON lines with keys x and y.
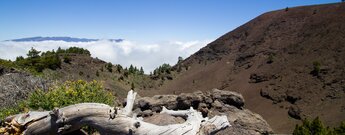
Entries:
{"x":177,"y":26}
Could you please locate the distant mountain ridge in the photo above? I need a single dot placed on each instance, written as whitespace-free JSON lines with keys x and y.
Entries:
{"x":66,"y":39}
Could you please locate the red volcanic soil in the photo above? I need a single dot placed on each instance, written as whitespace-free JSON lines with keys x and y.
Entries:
{"x":288,"y":64}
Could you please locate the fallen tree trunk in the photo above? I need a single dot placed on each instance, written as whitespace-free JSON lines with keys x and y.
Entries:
{"x":109,"y":120}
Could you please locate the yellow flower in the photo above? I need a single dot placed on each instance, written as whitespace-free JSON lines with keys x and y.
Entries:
{"x":70,"y":91}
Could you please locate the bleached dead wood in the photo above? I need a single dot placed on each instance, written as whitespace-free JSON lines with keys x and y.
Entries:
{"x":109,"y":120}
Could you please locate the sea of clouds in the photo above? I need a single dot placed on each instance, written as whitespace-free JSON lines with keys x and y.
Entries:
{"x":148,"y":56}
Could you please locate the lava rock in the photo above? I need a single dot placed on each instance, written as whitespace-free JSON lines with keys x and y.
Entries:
{"x":228,"y":97}
{"x":295,"y":112}
{"x":257,"y":78}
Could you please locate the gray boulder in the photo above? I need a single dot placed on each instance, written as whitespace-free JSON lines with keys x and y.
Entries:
{"x":228,"y":97}
{"x":216,"y":102}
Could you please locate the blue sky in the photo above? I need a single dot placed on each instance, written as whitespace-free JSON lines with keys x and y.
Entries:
{"x":139,"y":20}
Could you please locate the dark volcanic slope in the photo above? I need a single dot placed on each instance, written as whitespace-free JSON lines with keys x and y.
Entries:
{"x":270,"y":60}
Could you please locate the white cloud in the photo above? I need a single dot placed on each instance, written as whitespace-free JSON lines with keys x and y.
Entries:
{"x":149,"y":56}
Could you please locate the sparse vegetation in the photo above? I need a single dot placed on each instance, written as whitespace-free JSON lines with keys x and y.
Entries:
{"x":316,"y":68}
{"x":126,"y":73}
{"x":67,"y":59}
{"x":120,"y":78}
{"x":109,"y":67}
{"x":7,"y":63}
{"x":8,"y":111}
{"x":316,"y":127}
{"x":81,"y":73}
{"x":119,"y":68}
{"x":97,"y":73}
{"x":270,"y":58}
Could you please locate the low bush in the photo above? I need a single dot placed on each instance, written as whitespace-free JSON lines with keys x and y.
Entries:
{"x":67,"y":59}
{"x":109,"y":67}
{"x":270,"y":58}
{"x":316,"y":68}
{"x":316,"y":127}
{"x":71,"y":92}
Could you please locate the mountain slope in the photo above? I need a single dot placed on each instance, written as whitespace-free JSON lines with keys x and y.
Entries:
{"x":84,"y":67}
{"x":283,"y":62}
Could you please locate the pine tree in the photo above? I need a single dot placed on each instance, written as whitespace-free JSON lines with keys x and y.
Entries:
{"x":59,"y":50}
{"x":135,"y":70}
{"x":131,"y":69}
{"x":180,"y":59}
{"x":109,"y":66}
{"x":33,"y":53}
{"x":119,"y":68}
{"x":141,"y":72}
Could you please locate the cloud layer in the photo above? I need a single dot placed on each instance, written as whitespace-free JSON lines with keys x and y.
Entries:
{"x":149,"y":56}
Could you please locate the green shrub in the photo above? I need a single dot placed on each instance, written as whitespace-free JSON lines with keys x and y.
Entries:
{"x":316,"y":68}
{"x":81,"y":73}
{"x":119,"y":68}
{"x":270,"y":58}
{"x":7,"y":111}
{"x":50,"y":61}
{"x":97,"y":73}
{"x":7,"y":63}
{"x":71,"y":92}
{"x":109,"y":67}
{"x":316,"y":127}
{"x":67,"y":59}
{"x":340,"y":129}
{"x":33,"y":53}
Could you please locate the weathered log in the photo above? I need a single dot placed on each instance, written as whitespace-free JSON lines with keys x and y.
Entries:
{"x":109,"y":120}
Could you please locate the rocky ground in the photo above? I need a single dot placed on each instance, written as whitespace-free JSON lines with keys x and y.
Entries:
{"x":16,"y":86}
{"x":214,"y":102}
